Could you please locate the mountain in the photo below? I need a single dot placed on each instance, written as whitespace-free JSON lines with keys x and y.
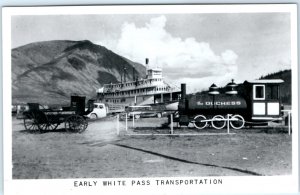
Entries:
{"x":50,"y":72}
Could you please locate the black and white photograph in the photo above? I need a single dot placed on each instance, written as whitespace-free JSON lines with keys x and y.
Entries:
{"x":182,"y":98}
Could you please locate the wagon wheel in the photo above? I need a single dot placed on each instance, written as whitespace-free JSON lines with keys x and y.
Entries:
{"x":43,"y":122}
{"x":85,"y":124}
{"x":52,"y":123}
{"x":30,"y":122}
{"x":76,"y":124}
{"x":47,"y":126}
{"x":52,"y":126}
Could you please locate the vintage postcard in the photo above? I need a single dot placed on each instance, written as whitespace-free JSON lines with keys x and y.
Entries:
{"x":176,"y":99}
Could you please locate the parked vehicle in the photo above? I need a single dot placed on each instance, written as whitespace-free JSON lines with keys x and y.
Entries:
{"x":143,"y":112}
{"x":255,"y":102}
{"x":40,"y":119}
{"x":100,"y":111}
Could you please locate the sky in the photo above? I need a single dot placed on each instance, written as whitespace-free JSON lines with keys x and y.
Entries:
{"x":196,"y":49}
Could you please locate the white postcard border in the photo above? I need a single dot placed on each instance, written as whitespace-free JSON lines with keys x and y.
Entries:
{"x":263,"y":184}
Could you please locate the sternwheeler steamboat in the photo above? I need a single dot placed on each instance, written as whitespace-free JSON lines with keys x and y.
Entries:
{"x":151,"y":90}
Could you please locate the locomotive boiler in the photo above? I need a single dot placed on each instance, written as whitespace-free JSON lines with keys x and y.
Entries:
{"x":255,"y":101}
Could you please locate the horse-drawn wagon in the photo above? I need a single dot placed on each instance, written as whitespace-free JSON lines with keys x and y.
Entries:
{"x":40,"y":119}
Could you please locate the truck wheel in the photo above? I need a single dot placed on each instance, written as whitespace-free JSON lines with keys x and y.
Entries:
{"x":93,"y":116}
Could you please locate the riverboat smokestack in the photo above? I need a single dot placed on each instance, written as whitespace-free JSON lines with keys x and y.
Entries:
{"x":133,"y":74}
{"x":147,"y":67}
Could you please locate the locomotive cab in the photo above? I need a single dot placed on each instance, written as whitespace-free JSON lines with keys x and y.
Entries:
{"x":263,"y":99}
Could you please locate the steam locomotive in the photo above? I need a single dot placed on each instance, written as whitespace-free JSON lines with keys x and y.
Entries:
{"x":254,"y":102}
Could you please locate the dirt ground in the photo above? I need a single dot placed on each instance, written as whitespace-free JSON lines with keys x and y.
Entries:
{"x":100,"y":153}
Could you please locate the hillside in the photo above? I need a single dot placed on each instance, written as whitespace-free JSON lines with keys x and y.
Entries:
{"x":49,"y":72}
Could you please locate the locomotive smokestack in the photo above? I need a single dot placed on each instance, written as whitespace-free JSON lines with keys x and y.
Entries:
{"x":183,"y":90}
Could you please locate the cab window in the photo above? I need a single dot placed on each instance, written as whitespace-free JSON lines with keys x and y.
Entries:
{"x":272,"y":92}
{"x":259,"y":92}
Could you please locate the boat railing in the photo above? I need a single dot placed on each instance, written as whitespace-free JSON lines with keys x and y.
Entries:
{"x":140,"y":93}
{"x":134,"y":86}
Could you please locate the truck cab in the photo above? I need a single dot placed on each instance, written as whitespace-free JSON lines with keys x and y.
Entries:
{"x":100,"y":111}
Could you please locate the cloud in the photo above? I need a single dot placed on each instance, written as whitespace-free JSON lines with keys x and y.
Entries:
{"x":181,"y":59}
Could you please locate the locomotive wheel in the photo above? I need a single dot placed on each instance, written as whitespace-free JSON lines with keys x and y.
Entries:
{"x":76,"y":124}
{"x":218,"y":122}
{"x":239,"y":123}
{"x":30,"y":123}
{"x":199,"y":124}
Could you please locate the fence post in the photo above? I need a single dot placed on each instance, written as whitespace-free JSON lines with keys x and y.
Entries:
{"x":171,"y":123}
{"x":133,"y":120}
{"x":118,"y":124}
{"x":289,"y":119}
{"x":289,"y":113}
{"x":126,"y":128}
{"x":228,"y":124}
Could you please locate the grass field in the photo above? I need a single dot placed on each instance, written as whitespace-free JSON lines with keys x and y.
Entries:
{"x":100,"y":153}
